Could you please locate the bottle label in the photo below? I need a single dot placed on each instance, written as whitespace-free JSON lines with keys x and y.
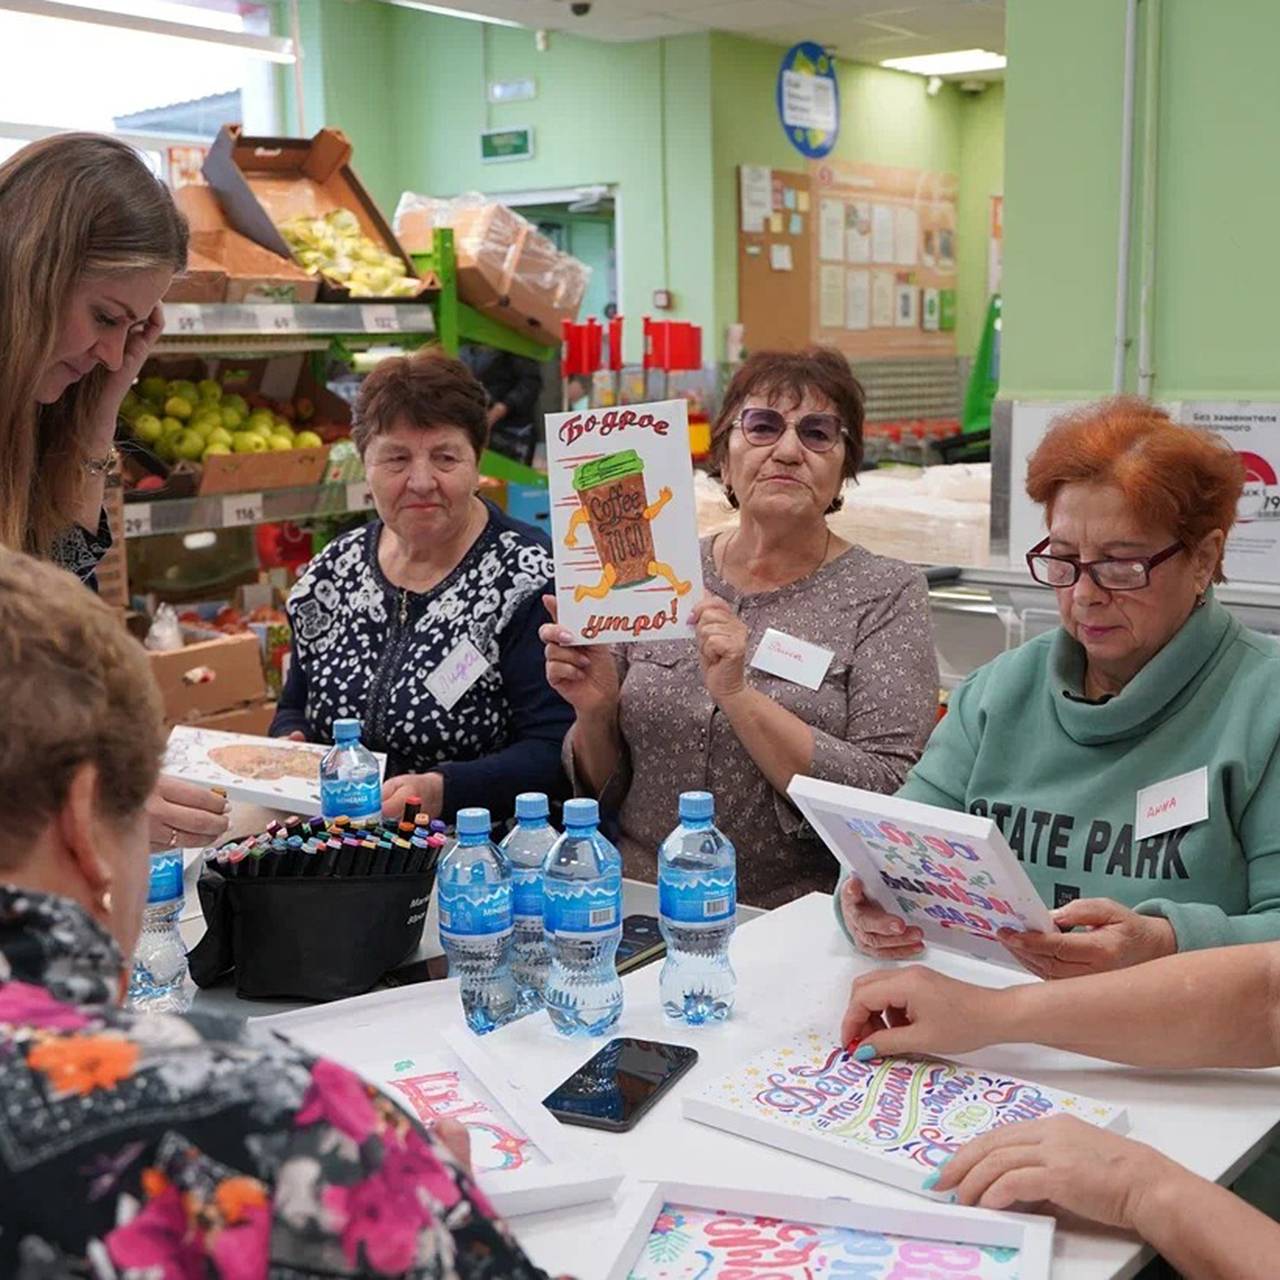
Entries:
{"x":166,"y":877}
{"x":526,"y":885}
{"x":576,"y":909}
{"x":354,"y":800}
{"x":471,"y":910}
{"x":699,"y":898}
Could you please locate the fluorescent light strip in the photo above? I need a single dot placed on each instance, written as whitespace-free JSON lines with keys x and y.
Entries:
{"x":958,"y":63}
{"x":269,"y":48}
{"x":446,"y":12}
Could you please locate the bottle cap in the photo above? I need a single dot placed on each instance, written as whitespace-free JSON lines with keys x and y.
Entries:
{"x":472,"y":822}
{"x":697,"y":806}
{"x":581,"y":813}
{"x":346,"y":730}
{"x":531,"y":804}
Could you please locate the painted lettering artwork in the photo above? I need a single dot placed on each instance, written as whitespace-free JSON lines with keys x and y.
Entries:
{"x":623,"y":525}
{"x":949,"y":874}
{"x":691,"y":1243}
{"x":894,"y":1119}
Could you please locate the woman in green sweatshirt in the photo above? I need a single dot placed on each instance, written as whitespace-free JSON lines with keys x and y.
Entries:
{"x":1148,"y":679}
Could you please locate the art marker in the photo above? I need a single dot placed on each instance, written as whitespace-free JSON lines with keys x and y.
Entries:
{"x":381,"y":856}
{"x":411,"y":806}
{"x":327,"y":858}
{"x":346,"y":856}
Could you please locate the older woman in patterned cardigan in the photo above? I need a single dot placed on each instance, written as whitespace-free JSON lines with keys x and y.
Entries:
{"x":424,"y":624}
{"x":655,"y":719}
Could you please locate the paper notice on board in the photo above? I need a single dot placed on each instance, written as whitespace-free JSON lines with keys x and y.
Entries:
{"x":831,"y":230}
{"x":755,"y":185}
{"x":882,"y":299}
{"x":831,"y":296}
{"x":857,"y":226}
{"x":775,"y":223}
{"x":780,"y":257}
{"x":906,"y":236}
{"x":906,"y":306}
{"x":882,"y":235}
{"x":857,"y":300}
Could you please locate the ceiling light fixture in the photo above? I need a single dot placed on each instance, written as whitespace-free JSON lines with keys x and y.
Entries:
{"x":446,"y":12}
{"x":957,"y":63}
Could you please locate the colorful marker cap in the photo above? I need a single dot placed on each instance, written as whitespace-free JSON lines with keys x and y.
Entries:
{"x":473,"y":822}
{"x":532,"y":804}
{"x":346,"y":730}
{"x":697,"y":806}
{"x":581,"y":813}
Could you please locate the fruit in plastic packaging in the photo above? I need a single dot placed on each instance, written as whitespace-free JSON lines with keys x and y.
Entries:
{"x":334,"y":246}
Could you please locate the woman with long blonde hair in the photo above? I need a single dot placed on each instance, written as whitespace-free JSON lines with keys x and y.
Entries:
{"x":89,"y":243}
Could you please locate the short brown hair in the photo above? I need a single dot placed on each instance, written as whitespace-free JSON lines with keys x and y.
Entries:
{"x":76,"y":690}
{"x":1179,"y":478}
{"x":789,"y":375}
{"x":428,"y":388}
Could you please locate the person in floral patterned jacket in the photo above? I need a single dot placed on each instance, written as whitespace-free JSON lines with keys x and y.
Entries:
{"x":157,"y":1147}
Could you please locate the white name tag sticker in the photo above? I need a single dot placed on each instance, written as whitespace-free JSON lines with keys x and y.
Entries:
{"x":1177,"y":802}
{"x":796,"y":660}
{"x":461,"y":667}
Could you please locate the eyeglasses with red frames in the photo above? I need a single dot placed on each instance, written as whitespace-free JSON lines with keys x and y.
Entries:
{"x":1129,"y":573}
{"x":818,"y":432}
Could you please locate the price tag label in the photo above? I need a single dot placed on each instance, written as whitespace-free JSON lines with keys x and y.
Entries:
{"x":359,"y":496}
{"x":183,"y":318}
{"x":1269,"y":503}
{"x":380,"y":319}
{"x":137,"y":519}
{"x":241,"y":508}
{"x":281,"y":319}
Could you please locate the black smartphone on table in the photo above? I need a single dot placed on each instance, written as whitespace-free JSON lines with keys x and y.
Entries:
{"x":615,"y":1087}
{"x":641,"y":943}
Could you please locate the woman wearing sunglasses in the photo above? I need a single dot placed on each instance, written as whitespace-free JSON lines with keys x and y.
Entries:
{"x":653,"y":720}
{"x":1131,"y":756}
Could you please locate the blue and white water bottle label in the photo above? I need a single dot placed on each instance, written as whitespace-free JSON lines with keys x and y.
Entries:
{"x":471,"y":910}
{"x":699,"y":898}
{"x":526,"y":885}
{"x":351,"y":799}
{"x":575,"y":909}
{"x":166,"y":877}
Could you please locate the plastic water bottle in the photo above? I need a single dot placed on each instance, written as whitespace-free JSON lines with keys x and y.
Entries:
{"x":160,"y":980}
{"x":350,"y":781}
{"x":582,"y":892}
{"x":697,"y":903}
{"x":526,"y":848}
{"x":474,"y":887}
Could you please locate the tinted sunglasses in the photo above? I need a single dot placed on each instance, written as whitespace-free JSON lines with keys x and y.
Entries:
{"x":818,"y":432}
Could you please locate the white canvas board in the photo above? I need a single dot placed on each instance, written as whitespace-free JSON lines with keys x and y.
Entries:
{"x":623,"y":526}
{"x":272,"y":772}
{"x":951,"y":875}
{"x":892,"y":1119}
{"x":674,"y":1236}
{"x":520,"y":1158}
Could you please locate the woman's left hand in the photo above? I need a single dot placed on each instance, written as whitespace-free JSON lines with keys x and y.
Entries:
{"x":427,"y":787}
{"x":1111,"y":937}
{"x":722,"y":647}
{"x":183,"y":815}
{"x":1068,"y":1163}
{"x":142,"y":338}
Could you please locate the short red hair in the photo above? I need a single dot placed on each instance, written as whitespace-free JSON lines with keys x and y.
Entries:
{"x":1174,"y":477}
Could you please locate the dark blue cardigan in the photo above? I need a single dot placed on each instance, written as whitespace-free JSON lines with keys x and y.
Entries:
{"x":365,"y":648}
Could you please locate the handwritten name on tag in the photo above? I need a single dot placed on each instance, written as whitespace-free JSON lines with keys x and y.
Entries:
{"x":461,"y":667}
{"x":1176,"y":802}
{"x":796,"y":660}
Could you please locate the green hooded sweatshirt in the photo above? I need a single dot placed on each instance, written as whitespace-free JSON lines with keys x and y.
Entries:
{"x":1060,"y":775}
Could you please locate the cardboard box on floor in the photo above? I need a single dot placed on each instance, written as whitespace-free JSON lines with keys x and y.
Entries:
{"x":209,"y":676}
{"x":251,"y":273}
{"x":263,"y":182}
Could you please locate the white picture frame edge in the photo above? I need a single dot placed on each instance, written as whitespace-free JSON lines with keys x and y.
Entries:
{"x":807,"y":793}
{"x":1031,"y":1234}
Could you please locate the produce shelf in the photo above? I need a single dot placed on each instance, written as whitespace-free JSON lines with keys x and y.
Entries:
{"x":239,"y":327}
{"x":238,"y":510}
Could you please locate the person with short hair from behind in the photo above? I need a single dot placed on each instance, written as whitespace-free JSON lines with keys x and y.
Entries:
{"x":154,"y":1144}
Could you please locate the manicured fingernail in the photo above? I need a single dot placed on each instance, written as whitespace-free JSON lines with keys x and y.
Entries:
{"x":931,"y":1181}
{"x":864,"y":1053}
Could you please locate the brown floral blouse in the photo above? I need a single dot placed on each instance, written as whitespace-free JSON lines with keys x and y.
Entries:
{"x":870,"y":718}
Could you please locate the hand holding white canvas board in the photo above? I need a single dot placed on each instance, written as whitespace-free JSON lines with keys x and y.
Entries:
{"x":624,"y":530}
{"x":949,"y":874}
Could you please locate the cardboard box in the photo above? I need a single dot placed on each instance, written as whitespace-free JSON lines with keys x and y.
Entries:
{"x":203,"y":280}
{"x":262,"y":182}
{"x":251,"y":273}
{"x":253,"y":718}
{"x":209,"y":676}
{"x":252,"y":472}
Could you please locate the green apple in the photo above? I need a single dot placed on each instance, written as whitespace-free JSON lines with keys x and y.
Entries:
{"x":236,"y":402}
{"x":215,"y":450}
{"x":153,"y":389}
{"x":262,"y":418}
{"x":220,"y":435}
{"x":148,"y":428}
{"x":232,"y":418}
{"x":280,"y":443}
{"x":249,"y":442}
{"x":131,"y":406}
{"x":178,"y":407}
{"x":209,"y":390}
{"x":170,"y":426}
{"x":182,"y":387}
{"x":188,"y":444}
{"x":307,"y":440}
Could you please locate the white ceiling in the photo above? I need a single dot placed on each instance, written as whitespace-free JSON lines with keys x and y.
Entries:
{"x":858,"y":30}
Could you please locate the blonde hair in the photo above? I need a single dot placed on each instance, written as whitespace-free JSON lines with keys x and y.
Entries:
{"x":72,"y":205}
{"x":76,"y":690}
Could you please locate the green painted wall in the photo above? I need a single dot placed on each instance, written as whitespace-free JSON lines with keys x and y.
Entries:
{"x":981,"y":171}
{"x":1218,"y":187}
